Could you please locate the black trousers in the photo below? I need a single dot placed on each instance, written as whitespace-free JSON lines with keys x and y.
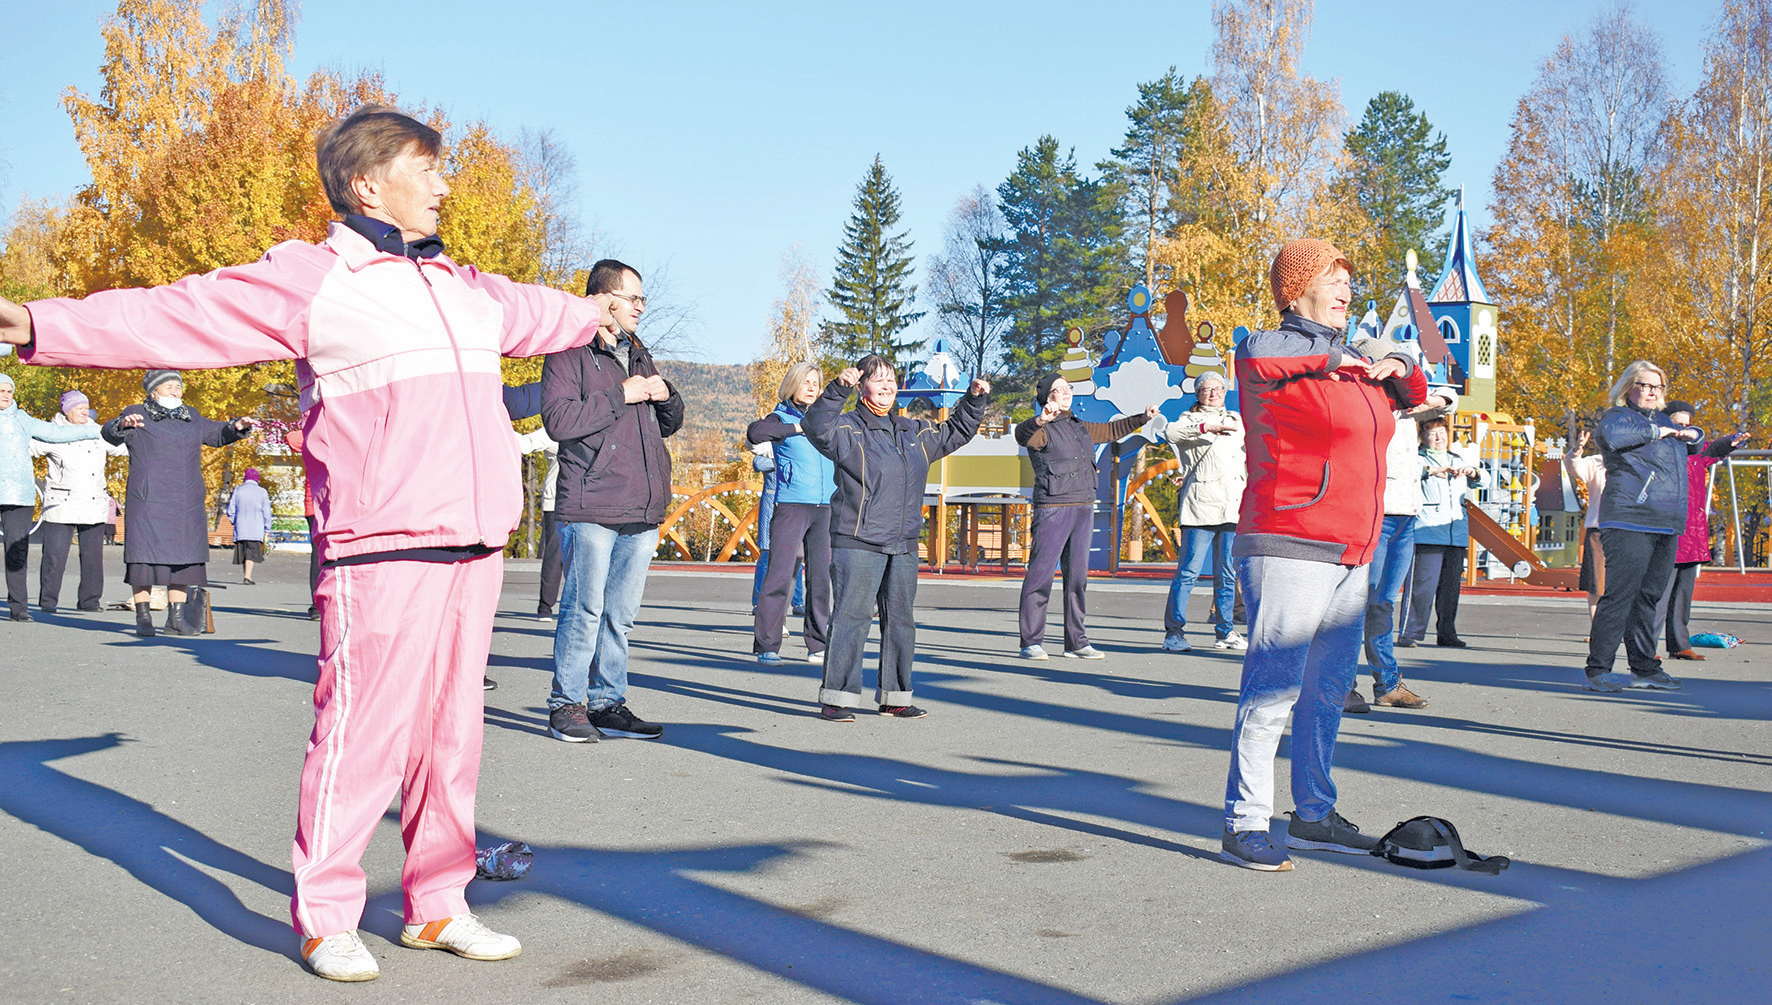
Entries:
{"x":1679,"y":606}
{"x":1638,"y":566}
{"x":15,"y":530}
{"x":550,"y":560}
{"x":56,"y":539}
{"x":797,"y":530}
{"x":1438,"y":577}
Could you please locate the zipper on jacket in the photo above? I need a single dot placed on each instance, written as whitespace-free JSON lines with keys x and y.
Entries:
{"x":1646,"y":483}
{"x":461,"y":382}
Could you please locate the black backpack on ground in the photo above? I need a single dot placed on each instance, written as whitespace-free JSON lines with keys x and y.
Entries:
{"x":1432,"y":843}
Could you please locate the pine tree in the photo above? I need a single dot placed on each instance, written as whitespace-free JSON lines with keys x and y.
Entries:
{"x":1146,"y":164}
{"x":871,"y":286}
{"x":1065,"y":259}
{"x":1396,"y":163}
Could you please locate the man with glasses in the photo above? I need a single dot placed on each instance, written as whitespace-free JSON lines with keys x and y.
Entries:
{"x":613,"y":490}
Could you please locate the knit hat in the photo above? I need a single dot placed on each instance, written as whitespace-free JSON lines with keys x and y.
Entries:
{"x":154,"y":378}
{"x":1211,"y":375}
{"x":73,"y":399}
{"x":1043,"y":389}
{"x":6,"y":380}
{"x":1677,"y":405}
{"x":252,"y":474}
{"x":1300,"y":262}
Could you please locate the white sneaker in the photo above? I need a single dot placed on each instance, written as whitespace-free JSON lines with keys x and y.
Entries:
{"x":1234,"y":640}
{"x":341,"y":957}
{"x":1033,"y":653}
{"x":1176,"y":644}
{"x":816,"y":659}
{"x":462,"y":935}
{"x":1085,"y":653}
{"x":769,"y":659}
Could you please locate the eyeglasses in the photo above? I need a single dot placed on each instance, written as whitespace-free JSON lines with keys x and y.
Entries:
{"x":1639,"y":385}
{"x":639,"y":302}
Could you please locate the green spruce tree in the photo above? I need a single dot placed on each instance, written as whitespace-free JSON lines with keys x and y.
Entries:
{"x":1064,"y":262}
{"x":1397,"y":162}
{"x":870,"y":287}
{"x":1145,"y":166}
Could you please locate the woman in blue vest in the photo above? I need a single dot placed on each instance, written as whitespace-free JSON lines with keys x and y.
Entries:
{"x":801,"y":524}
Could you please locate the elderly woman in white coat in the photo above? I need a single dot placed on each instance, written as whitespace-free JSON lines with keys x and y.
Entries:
{"x":1208,"y":442}
{"x":1442,"y":535}
{"x":76,"y":504}
{"x":18,"y":488}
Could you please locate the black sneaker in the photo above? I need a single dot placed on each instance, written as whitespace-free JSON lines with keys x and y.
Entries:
{"x":616,"y":720}
{"x":903,"y":711}
{"x":487,"y":683}
{"x":1332,"y":833}
{"x":833,"y":713}
{"x":1452,"y":643}
{"x":569,"y":723}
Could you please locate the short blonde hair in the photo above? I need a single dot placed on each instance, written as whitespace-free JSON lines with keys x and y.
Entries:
{"x":796,"y":376}
{"x":1631,"y":373}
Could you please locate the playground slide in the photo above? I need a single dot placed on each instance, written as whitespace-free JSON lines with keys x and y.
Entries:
{"x":1520,"y":558}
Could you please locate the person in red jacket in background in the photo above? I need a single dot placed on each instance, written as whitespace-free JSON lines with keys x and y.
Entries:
{"x":1308,"y":527}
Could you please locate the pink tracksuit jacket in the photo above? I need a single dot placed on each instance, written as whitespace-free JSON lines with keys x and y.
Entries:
{"x":407,"y":445}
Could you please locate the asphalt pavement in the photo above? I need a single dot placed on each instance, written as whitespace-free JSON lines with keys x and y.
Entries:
{"x":1048,"y":834}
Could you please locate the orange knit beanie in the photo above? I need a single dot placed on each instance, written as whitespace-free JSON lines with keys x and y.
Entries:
{"x":1300,"y":262}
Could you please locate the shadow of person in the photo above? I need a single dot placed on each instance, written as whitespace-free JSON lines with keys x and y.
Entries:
{"x":140,"y":839}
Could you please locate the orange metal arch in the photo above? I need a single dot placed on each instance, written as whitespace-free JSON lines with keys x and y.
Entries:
{"x":1135,"y":493}
{"x":741,"y":533}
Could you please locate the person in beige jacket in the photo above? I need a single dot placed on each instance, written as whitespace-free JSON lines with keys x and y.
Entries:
{"x":1208,"y":441}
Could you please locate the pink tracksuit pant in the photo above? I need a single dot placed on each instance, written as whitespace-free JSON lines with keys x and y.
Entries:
{"x":399,"y":706}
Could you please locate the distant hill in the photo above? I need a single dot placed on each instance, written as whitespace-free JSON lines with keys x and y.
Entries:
{"x":717,"y":399}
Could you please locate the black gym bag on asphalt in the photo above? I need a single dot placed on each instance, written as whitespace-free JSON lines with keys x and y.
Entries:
{"x":1432,"y":843}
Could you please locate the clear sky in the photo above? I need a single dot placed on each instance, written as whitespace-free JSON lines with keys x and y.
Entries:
{"x":713,"y":137}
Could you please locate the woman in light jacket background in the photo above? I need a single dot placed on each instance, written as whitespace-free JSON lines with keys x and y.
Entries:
{"x":1442,"y":536}
{"x":249,"y":511}
{"x":1208,"y":442}
{"x":800,"y":526}
{"x":76,"y":504}
{"x":18,"y":486}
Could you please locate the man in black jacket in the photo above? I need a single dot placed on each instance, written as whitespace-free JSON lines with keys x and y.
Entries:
{"x":614,"y":490}
{"x":882,"y":464}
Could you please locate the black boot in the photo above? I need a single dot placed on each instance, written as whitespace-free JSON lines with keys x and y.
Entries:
{"x":144,"y":621}
{"x":175,"y":619}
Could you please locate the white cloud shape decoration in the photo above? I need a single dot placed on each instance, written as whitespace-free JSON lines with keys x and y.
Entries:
{"x":1134,"y":384}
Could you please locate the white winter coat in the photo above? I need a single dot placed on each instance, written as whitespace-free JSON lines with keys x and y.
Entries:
{"x":75,"y":491}
{"x":1213,"y":467}
{"x":1402,"y":461}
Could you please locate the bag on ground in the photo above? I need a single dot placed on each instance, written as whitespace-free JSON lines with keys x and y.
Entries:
{"x":1432,"y":843}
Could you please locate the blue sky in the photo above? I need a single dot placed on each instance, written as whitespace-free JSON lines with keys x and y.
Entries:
{"x":713,"y":137}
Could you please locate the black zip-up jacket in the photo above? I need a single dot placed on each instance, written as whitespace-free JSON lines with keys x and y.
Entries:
{"x":1063,"y":454}
{"x":882,"y":466}
{"x":614,"y":468}
{"x":1645,"y":472}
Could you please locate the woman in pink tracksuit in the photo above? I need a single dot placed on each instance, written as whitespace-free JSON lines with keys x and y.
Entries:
{"x":414,"y":474}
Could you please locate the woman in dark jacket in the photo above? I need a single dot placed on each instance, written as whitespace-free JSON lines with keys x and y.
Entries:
{"x":167,"y":544}
{"x":1642,"y":512}
{"x":882,"y":466}
{"x":1061,"y":448}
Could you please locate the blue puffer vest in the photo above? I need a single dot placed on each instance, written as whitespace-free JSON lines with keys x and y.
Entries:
{"x":803,"y":475}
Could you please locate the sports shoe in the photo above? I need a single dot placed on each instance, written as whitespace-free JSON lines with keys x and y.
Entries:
{"x":1452,"y":643}
{"x":1085,"y":653}
{"x":798,"y":611}
{"x":1332,"y":833}
{"x":544,"y":612}
{"x":1234,"y":640}
{"x":1398,"y":697}
{"x":1687,"y":654}
{"x":572,"y":724}
{"x":341,"y":957}
{"x":1608,"y":682}
{"x":1659,"y":680}
{"x":1404,"y":643}
{"x":487,"y":683}
{"x":903,"y":711}
{"x":1033,"y":653}
{"x":1355,"y":703}
{"x":313,"y":614}
{"x":616,"y":720}
{"x":1253,"y":850}
{"x":835,"y":713}
{"x":769,"y":659}
{"x":816,"y":659}
{"x":462,"y":935}
{"x":1176,"y":643}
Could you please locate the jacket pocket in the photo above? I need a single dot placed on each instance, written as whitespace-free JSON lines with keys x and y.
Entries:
{"x":1061,"y":477}
{"x":1322,"y":490}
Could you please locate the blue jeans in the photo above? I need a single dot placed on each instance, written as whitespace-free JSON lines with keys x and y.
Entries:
{"x":1198,"y":544}
{"x":605,"y":577}
{"x":1391,"y":563}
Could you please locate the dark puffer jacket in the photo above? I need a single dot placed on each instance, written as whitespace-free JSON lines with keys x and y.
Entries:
{"x":614,"y":468}
{"x":1646,"y":480}
{"x":1062,"y":453}
{"x":882,"y":467}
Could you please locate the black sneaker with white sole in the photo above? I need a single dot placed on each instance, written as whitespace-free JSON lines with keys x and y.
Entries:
{"x":1332,"y":833}
{"x":616,"y":720}
{"x":570,"y":723}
